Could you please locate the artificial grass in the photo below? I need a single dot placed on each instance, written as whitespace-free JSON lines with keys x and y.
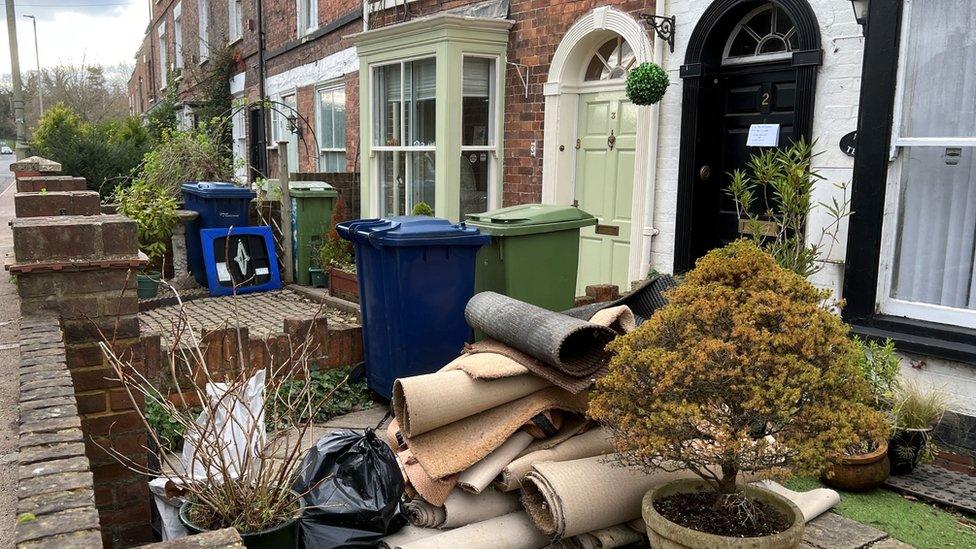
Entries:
{"x":912,"y":522}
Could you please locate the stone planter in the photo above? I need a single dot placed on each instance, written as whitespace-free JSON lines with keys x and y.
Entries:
{"x":905,"y":449}
{"x":343,"y":284}
{"x":664,"y":534}
{"x":859,"y":473}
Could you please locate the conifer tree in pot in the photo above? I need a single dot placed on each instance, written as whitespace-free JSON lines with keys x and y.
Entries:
{"x":743,"y":371}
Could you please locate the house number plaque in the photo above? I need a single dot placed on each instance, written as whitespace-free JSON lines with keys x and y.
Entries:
{"x":608,"y":230}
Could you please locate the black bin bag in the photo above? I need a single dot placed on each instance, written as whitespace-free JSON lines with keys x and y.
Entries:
{"x":354,"y":487}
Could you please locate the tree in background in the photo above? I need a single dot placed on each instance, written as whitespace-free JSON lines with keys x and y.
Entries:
{"x":7,"y":129}
{"x":93,"y":92}
{"x":105,"y":152}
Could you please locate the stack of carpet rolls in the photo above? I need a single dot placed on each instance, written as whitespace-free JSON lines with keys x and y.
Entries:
{"x":495,"y":447}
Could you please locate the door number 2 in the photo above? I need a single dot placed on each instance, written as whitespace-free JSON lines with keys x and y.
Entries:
{"x":765,"y":99}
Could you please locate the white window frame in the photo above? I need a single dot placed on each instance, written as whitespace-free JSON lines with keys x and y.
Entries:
{"x":495,"y":127}
{"x":235,"y":22}
{"x":408,"y":183}
{"x":203,"y":29}
{"x":306,"y":10}
{"x":178,"y":35}
{"x":887,"y":304}
{"x":329,"y":87}
{"x":161,"y":45}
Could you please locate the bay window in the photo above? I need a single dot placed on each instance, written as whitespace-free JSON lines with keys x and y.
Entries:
{"x":477,"y":132}
{"x":929,"y":264}
{"x":431,"y":125}
{"x":331,"y":115}
{"x":404,"y":133}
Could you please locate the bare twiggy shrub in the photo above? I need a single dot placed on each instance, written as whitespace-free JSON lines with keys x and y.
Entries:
{"x":243,"y":481}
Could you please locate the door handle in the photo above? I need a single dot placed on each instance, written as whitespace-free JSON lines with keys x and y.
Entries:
{"x":611,"y":140}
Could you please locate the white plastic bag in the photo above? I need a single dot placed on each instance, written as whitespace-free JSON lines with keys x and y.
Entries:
{"x":234,"y":435}
{"x":169,"y":510}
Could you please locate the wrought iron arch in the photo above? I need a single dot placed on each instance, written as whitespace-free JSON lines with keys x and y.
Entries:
{"x":703,"y":57}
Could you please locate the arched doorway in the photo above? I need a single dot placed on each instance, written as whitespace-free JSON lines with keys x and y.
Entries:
{"x":598,"y":147}
{"x":748,"y":62}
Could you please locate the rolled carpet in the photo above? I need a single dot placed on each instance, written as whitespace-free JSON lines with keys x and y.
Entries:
{"x":424,"y":515}
{"x":425,"y":402}
{"x":594,"y":442}
{"x":459,"y":445}
{"x":477,"y":477}
{"x":406,"y":534}
{"x":569,"y":498}
{"x":605,"y":538}
{"x":461,"y":509}
{"x":568,"y":345}
{"x":511,"y":531}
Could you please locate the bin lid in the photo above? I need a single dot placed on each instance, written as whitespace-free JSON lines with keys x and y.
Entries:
{"x":531,"y":219}
{"x":414,"y":230}
{"x":217,"y":189}
{"x":312,"y":189}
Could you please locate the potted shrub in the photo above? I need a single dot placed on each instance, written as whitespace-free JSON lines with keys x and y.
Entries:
{"x":243,"y":451}
{"x":915,"y":411}
{"x":864,"y":464}
{"x":153,"y":207}
{"x":743,"y":371}
{"x":422,"y":208}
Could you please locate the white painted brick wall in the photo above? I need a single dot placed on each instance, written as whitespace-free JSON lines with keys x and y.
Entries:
{"x":835,"y":114}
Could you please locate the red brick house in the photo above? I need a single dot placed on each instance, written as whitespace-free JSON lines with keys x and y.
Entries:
{"x":471,"y":106}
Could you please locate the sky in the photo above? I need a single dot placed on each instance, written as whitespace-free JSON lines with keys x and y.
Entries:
{"x":105,"y":32}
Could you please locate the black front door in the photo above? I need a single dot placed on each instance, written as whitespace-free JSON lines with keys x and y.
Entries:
{"x":730,"y":103}
{"x":258,"y":153}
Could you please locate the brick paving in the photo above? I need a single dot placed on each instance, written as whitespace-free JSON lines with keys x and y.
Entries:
{"x":263,"y":314}
{"x":938,"y":485}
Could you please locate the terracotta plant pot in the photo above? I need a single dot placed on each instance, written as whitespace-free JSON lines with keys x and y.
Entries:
{"x":859,"y":473}
{"x":905,"y":449}
{"x":343,"y":284}
{"x":664,"y":534}
{"x":284,"y":535}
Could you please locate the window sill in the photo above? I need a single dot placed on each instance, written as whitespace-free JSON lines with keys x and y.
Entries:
{"x":235,"y":41}
{"x":920,"y":337}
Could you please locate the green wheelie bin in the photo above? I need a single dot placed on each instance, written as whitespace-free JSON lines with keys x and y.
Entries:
{"x":312,"y":204}
{"x":534,"y":253}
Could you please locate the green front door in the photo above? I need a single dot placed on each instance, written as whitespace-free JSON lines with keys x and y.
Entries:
{"x":607,"y":133}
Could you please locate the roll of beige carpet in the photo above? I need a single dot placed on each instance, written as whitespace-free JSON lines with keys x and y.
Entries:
{"x":421,"y":514}
{"x":461,"y":509}
{"x":605,"y":538}
{"x":511,"y":531}
{"x":425,"y":402}
{"x":569,"y":498}
{"x":477,"y":477}
{"x":594,"y":442}
{"x":406,"y":535}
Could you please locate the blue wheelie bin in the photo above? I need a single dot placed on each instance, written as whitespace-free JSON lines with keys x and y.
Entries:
{"x":219,"y":205}
{"x":416,"y":275}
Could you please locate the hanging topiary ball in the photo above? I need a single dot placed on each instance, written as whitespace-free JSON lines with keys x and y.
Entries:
{"x":646,"y":84}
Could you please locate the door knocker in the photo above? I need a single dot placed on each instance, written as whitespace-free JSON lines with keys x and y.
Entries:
{"x":611,"y":140}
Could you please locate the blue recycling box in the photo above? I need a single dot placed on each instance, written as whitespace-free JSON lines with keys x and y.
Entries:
{"x":416,"y":275}
{"x":240,"y":260}
{"x":219,"y":205}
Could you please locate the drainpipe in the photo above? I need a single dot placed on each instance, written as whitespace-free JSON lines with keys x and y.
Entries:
{"x":649,"y":230}
{"x":261,"y":85}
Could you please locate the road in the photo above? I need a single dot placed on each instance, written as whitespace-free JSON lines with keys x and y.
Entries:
{"x":9,"y":359}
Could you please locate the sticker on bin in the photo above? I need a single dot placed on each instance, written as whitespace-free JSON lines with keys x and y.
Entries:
{"x":223,"y":274}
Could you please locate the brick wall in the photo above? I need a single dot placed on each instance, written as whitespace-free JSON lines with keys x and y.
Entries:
{"x":81,"y":268}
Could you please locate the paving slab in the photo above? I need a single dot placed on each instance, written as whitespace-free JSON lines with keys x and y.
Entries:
{"x":938,"y":485}
{"x":832,"y":531}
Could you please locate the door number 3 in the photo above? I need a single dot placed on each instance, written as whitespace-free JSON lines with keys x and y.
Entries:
{"x":613,"y":115}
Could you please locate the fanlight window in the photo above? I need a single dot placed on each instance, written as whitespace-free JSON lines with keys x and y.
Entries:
{"x":611,"y":61}
{"x":766,"y":33}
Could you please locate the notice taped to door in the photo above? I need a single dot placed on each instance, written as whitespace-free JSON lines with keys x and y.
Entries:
{"x":763,"y":135}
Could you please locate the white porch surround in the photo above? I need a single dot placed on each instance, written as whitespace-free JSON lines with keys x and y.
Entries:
{"x":562,"y":91}
{"x":322,"y":70}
